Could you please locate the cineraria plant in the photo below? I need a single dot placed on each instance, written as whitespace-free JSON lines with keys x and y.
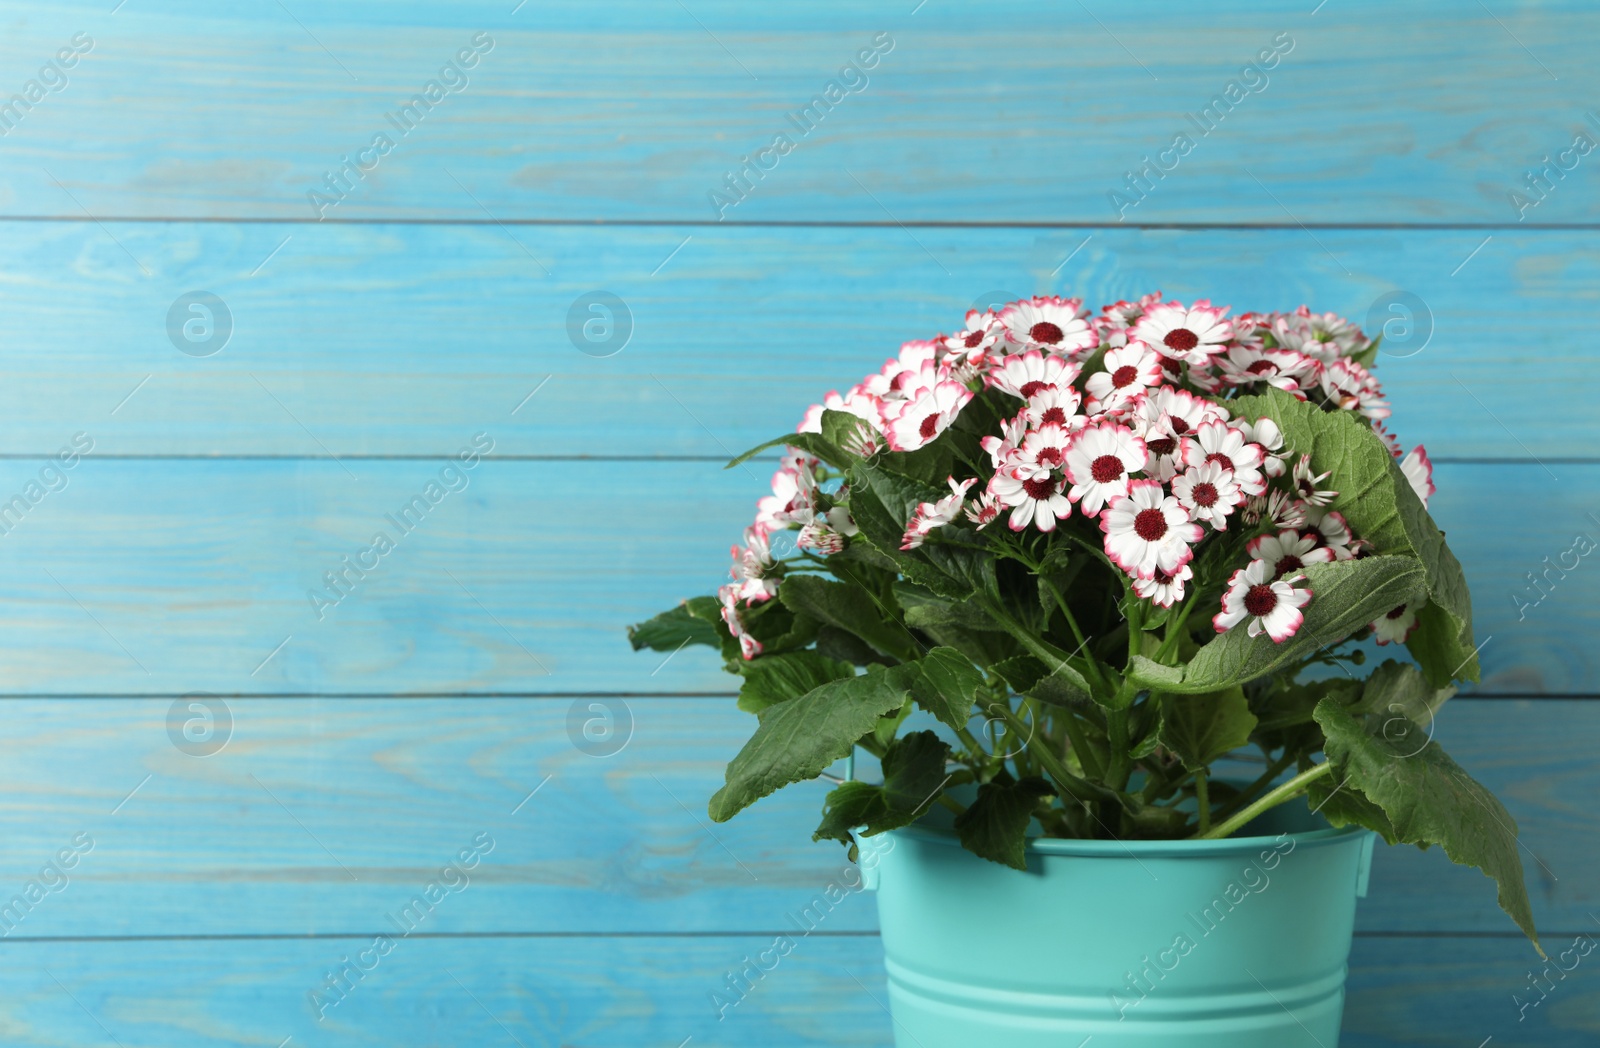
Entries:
{"x":1122,"y":548}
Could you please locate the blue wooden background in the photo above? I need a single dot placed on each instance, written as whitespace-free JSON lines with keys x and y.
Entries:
{"x":368,"y":743}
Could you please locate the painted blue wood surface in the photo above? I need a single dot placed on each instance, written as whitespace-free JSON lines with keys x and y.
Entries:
{"x":1019,"y":111}
{"x":397,"y":339}
{"x":324,"y":816}
{"x":178,"y":556}
{"x":161,"y":577}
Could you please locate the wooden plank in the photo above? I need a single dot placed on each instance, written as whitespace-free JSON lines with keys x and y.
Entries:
{"x":635,"y":111}
{"x":626,"y":992}
{"x":622,"y":992}
{"x":166,"y":577}
{"x":327,"y":817}
{"x":400,"y":340}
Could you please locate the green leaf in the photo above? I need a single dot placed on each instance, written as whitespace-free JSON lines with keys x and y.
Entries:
{"x":814,"y":444}
{"x":672,"y":630}
{"x":846,"y":646}
{"x":772,"y":679}
{"x":1347,"y":595}
{"x":881,"y":503}
{"x":1400,"y":688}
{"x":851,"y":608}
{"x":946,"y":685}
{"x":995,"y":827}
{"x":1368,"y":358}
{"x":1377,"y":501}
{"x":913,"y":774}
{"x":1022,"y":672}
{"x":798,"y":739}
{"x":1428,"y":799}
{"x":1200,"y":728}
{"x":841,"y":429}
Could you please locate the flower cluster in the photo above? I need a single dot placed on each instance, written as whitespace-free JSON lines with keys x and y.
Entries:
{"x":1121,"y":419}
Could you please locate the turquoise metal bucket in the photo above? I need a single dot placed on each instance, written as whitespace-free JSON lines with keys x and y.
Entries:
{"x":1238,"y":943}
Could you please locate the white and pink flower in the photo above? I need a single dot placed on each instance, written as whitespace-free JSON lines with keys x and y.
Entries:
{"x":1051,"y":324}
{"x":1148,"y":530}
{"x":1288,"y":552}
{"x":1418,"y":469}
{"x":1163,"y":589}
{"x":1029,"y":374}
{"x":1272,"y":606}
{"x":1227,"y":447}
{"x":1396,"y":626}
{"x":982,"y":333}
{"x":1209,"y":492}
{"x":1129,"y":371}
{"x":1192,"y":334}
{"x":1099,"y":461}
{"x":930,"y":515}
{"x":929,"y":408}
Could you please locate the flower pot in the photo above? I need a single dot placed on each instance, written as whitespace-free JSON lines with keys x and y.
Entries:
{"x":1237,"y":943}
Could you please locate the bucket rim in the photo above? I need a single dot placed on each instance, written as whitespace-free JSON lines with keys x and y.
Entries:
{"x":1178,"y":849}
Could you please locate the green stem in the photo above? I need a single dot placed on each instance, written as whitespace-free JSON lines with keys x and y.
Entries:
{"x":1080,"y":744}
{"x":1287,"y":792}
{"x":1075,"y":787}
{"x":1202,"y":798}
{"x":1121,"y":762}
{"x":1243,"y":797}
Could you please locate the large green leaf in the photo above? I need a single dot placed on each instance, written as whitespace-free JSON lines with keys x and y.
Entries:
{"x":1201,"y":728}
{"x":1428,"y":799}
{"x":995,"y":827}
{"x":1377,"y":500}
{"x":946,"y":684}
{"x":849,"y":607}
{"x":772,"y":679}
{"x":814,"y":444}
{"x":798,"y":739}
{"x":672,"y":630}
{"x":1347,"y":595}
{"x":913,"y":773}
{"x":1400,"y":688}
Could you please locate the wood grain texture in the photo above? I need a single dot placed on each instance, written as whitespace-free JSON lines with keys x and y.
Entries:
{"x":609,"y":912}
{"x":1427,"y":113}
{"x":403,"y":340}
{"x":166,"y":577}
{"x":327,"y":817}
{"x":653,"y":990}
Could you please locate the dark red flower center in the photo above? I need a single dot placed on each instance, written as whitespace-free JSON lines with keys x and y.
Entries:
{"x":929,"y":427}
{"x":1181,"y":339}
{"x":1172,"y":367}
{"x":1150,"y":524}
{"x":1046,"y":332}
{"x":1051,"y":456}
{"x":1220,"y":459}
{"x":1263,"y":367}
{"x":1162,"y":445}
{"x":1106,"y":469}
{"x":1179,"y":426}
{"x":973,"y":338}
{"x":1039,"y":489}
{"x":1162,"y":578}
{"x":1031,"y":389}
{"x":1260,"y":600}
{"x":1204,"y":494}
{"x":1055,"y":414}
{"x":1396,"y":613}
{"x":1124,"y":376}
{"x":1288,"y":564}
